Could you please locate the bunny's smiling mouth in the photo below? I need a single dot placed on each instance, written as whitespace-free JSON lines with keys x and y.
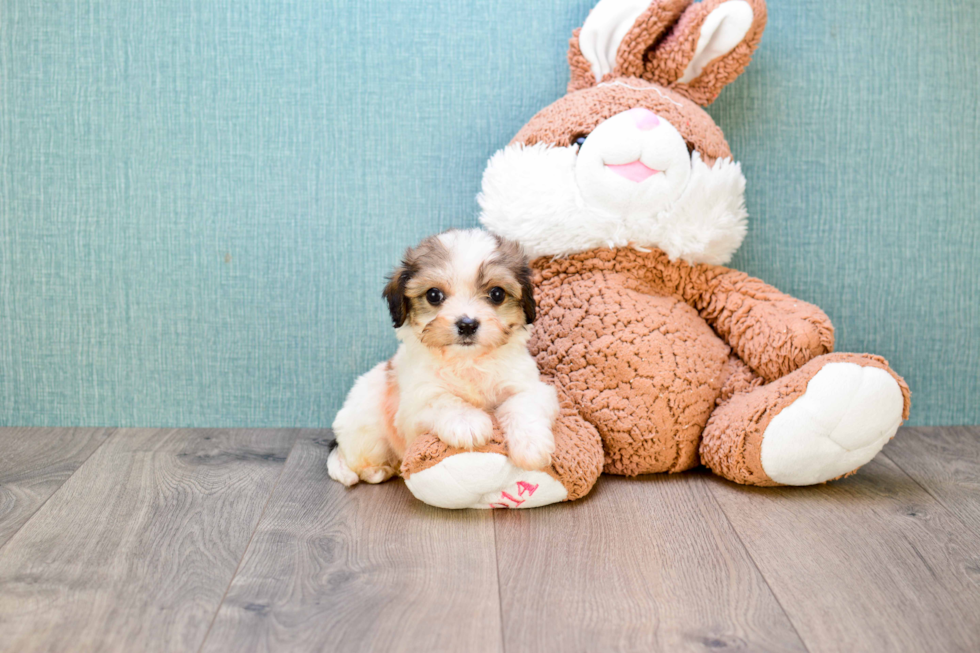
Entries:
{"x":635,"y":171}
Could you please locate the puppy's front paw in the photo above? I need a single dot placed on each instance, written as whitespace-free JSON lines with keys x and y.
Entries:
{"x":377,"y":474}
{"x":465,"y":429}
{"x":530,"y":447}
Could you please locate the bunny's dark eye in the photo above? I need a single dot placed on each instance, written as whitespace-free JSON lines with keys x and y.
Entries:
{"x":497,"y":295}
{"x":434,"y":296}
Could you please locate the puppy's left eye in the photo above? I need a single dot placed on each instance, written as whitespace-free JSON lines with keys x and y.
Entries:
{"x":497,"y":295}
{"x":434,"y":296}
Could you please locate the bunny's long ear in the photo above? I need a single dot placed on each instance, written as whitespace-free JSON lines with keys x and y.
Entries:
{"x":695,"y":49}
{"x":615,"y":37}
{"x":709,"y":47}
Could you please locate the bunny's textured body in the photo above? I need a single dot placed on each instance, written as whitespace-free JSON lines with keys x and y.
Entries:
{"x":669,"y":362}
{"x":626,"y":191}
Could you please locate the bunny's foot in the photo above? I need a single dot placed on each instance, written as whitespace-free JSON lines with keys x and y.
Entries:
{"x":821,"y":422}
{"x":486,"y":477}
{"x":474,"y":479}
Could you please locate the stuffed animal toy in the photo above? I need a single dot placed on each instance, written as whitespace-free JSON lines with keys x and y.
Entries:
{"x":625,"y":192}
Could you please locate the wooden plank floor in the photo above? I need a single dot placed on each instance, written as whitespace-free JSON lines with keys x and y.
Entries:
{"x":236,"y":540}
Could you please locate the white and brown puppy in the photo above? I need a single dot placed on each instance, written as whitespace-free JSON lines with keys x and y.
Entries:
{"x":462,"y":305}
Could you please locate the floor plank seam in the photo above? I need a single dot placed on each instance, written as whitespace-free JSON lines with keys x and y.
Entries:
{"x":248,"y":545}
{"x":755,"y":565}
{"x":935,"y":498}
{"x":112,"y":431}
{"x":500,"y":597}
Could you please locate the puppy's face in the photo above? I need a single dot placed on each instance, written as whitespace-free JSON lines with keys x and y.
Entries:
{"x":462,"y":291}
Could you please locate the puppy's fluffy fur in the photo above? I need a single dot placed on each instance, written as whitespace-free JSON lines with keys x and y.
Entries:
{"x":462,"y":305}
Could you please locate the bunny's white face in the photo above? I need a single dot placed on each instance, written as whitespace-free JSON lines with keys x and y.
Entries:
{"x":631,"y":182}
{"x":633,"y":164}
{"x":617,"y":162}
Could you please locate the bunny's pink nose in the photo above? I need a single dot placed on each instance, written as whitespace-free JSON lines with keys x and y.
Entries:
{"x":644,"y":118}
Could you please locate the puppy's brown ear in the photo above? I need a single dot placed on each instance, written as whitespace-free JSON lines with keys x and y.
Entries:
{"x":512,"y":255}
{"x":394,"y":294}
{"x":527,"y":295}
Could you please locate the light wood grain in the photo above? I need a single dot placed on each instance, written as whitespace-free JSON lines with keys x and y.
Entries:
{"x":639,"y":565}
{"x":945,"y":460}
{"x":34,"y":462}
{"x":867,"y":563}
{"x":364,"y":569}
{"x":136,"y":549}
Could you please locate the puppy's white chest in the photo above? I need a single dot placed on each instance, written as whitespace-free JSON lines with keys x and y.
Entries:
{"x":478,"y":387}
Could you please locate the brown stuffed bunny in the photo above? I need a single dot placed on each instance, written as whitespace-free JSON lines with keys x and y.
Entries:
{"x":626,"y":193}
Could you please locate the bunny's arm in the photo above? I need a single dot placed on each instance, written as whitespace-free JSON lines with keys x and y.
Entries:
{"x":774,"y":333}
{"x":770,"y":331}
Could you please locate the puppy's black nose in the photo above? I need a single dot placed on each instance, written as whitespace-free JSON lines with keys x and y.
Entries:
{"x":467,"y":326}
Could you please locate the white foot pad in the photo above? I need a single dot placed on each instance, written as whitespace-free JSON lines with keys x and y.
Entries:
{"x":842,"y":421}
{"x":484,"y":480}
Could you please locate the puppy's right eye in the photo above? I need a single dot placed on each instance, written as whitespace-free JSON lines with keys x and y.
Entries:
{"x":434,"y":296}
{"x":497,"y":295}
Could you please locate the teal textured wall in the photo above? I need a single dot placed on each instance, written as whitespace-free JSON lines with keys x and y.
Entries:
{"x":199,"y":200}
